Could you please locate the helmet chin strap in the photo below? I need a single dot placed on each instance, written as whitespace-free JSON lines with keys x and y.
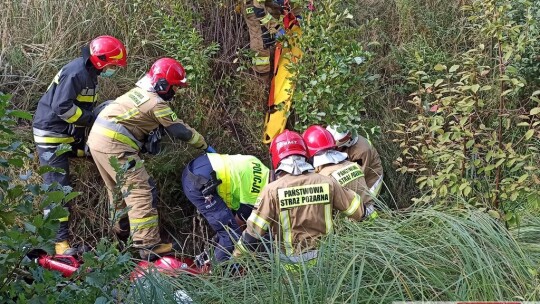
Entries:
{"x":168,"y":95}
{"x":295,"y":165}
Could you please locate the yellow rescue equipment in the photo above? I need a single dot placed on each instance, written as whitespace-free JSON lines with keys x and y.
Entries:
{"x":282,"y":86}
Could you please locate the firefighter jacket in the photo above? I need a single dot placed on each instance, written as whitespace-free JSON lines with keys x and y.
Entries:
{"x":265,"y":12}
{"x":297,"y":210}
{"x":67,"y":104}
{"x":123,"y":125}
{"x":350,"y":176}
{"x":368,"y":158}
{"x":242,"y":178}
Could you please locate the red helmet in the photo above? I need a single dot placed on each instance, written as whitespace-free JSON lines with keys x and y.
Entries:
{"x":286,"y":144}
{"x":166,"y":72}
{"x":318,"y":139}
{"x":106,"y":51}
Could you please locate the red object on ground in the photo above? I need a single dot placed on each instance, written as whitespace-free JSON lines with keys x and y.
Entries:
{"x":66,"y":264}
{"x":169,"y":265}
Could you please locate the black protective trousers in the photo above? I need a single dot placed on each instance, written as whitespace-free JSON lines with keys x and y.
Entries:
{"x":47,"y":157}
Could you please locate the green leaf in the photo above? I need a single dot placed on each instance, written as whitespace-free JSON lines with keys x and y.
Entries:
{"x":494,"y":214}
{"x":54,"y":197}
{"x":439,"y":67}
{"x":453,"y":68}
{"x":63,"y":148}
{"x":485,"y":88}
{"x":17,"y":162}
{"x":8,"y":217}
{"x":71,"y":196}
{"x":529,"y":134}
{"x":29,"y":227}
{"x":101,"y":300}
{"x":467,"y":191}
{"x":20,"y":114}
{"x":522,"y":178}
{"x":475,"y":87}
{"x":535,"y":111}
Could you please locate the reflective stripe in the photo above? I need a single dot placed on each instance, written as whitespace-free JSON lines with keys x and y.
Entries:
{"x":260,"y":60}
{"x":241,"y":246}
{"x":116,"y":131}
{"x":328,"y":218}
{"x":55,"y":80}
{"x":47,"y":146}
{"x":49,"y":137}
{"x":299,"y":258}
{"x":127,"y":115}
{"x":163,"y":112}
{"x":259,"y":221}
{"x":86,"y":92}
{"x":86,"y":98}
{"x":287,"y":234}
{"x":266,"y":19}
{"x":298,"y":267}
{"x":195,"y":138}
{"x":376,"y":188}
{"x":72,"y":114}
{"x":143,"y":223}
{"x":39,"y":132}
{"x":53,"y":140}
{"x":116,"y":136}
{"x":355,"y":204}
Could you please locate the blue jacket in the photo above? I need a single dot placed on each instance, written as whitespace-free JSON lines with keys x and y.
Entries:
{"x":65,"y":110}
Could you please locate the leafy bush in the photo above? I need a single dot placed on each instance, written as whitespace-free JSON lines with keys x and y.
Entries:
{"x":471,"y":134}
{"x":331,"y":82}
{"x":24,"y":227}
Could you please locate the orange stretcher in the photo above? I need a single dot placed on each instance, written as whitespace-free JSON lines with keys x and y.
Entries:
{"x":282,"y":86}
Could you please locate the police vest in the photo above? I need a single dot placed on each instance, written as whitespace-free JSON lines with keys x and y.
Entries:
{"x":243,"y":178}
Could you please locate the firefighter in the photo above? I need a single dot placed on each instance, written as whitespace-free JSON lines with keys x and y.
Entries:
{"x":330,"y":162}
{"x":296,"y":208}
{"x":120,"y":131}
{"x":361,"y":151}
{"x":64,"y":114}
{"x":262,"y":19}
{"x":224,"y":189}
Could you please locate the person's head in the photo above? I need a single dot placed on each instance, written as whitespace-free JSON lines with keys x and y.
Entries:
{"x":343,"y":139}
{"x":286,"y":144}
{"x":165,"y":76}
{"x":106,"y":54}
{"x":318,"y":140}
{"x":322,"y":147}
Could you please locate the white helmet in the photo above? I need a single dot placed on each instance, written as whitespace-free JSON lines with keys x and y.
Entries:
{"x":343,"y":139}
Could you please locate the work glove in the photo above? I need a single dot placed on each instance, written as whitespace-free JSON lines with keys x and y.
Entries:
{"x":280,"y":33}
{"x":210,"y":149}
